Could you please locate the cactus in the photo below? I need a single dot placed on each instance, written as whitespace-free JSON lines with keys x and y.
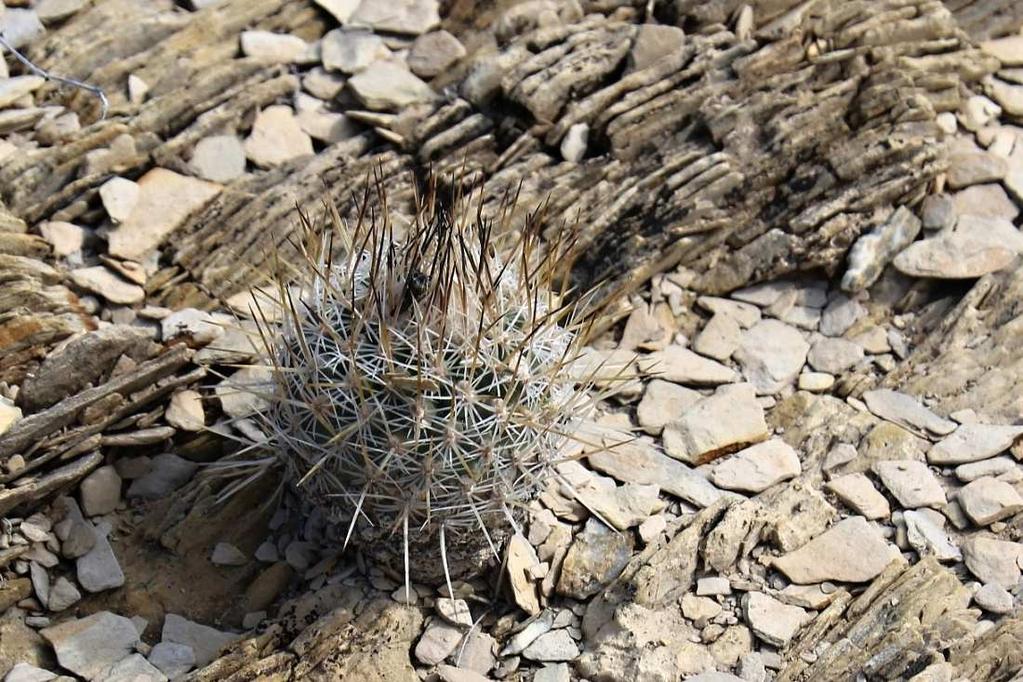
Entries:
{"x":419,"y":391}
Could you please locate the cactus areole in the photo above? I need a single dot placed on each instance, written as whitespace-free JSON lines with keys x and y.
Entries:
{"x":419,"y":393}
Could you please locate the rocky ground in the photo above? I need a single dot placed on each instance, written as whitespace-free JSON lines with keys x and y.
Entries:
{"x":807,"y":466}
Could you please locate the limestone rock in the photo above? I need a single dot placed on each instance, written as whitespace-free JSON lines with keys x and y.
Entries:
{"x":683,"y":366}
{"x":597,"y":556}
{"x":857,"y":492}
{"x":906,"y":411}
{"x":276,"y":138}
{"x":925,"y":532}
{"x":432,"y":53}
{"x":993,"y":561}
{"x":840,"y":314}
{"x":973,"y":443}
{"x":745,"y":314}
{"x":993,"y":598}
{"x":165,"y":200}
{"x":90,"y":646}
{"x":134,"y":668}
{"x":724,"y":422}
{"x":772,"y":621}
{"x":521,"y":559}
{"x":438,"y":642}
{"x":218,"y":158}
{"x":834,"y":356}
{"x":279,"y":48}
{"x":205,"y":641}
{"x":556,"y":645}
{"x":771,"y":355}
{"x":719,"y":338}
{"x":173,"y":660}
{"x":341,"y":10}
{"x":852,"y":551}
{"x":663,"y":402}
{"x":65,"y":238}
{"x":13,"y":89}
{"x":874,"y":250}
{"x":912,"y":484}
{"x":974,"y":168}
{"x":100,"y":280}
{"x":168,"y":473}
{"x":387,"y":86}
{"x":350,"y":51}
{"x":398,"y":16}
{"x":100,"y":491}
{"x":758,"y":467}
{"x":987,"y":500}
{"x":1007,"y":50}
{"x":185,"y":411}
{"x":98,"y":569}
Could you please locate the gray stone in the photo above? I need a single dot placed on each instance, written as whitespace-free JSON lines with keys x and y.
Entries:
{"x":279,"y":48}
{"x":134,"y":668}
{"x":993,"y":561}
{"x":771,"y":355}
{"x":987,"y":500}
{"x":986,"y":201}
{"x":834,"y":356}
{"x":63,"y":595}
{"x":169,"y":472}
{"x":993,"y":598}
{"x":226,"y":554}
{"x":912,"y":483}
{"x":556,"y":645}
{"x":938,"y":212}
{"x":438,"y":642}
{"x":341,"y":10}
{"x":553,"y":672}
{"x":876,"y":249}
{"x":100,"y":491}
{"x":90,"y":646}
{"x":98,"y":569}
{"x":534,"y":628}
{"x":975,"y":167}
{"x":989,"y":467}
{"x":953,"y":254}
{"x":973,"y":443}
{"x":840,"y":314}
{"x":13,"y":89}
{"x":852,"y":551}
{"x":185,"y":411}
{"x":719,"y":338}
{"x":724,"y":422}
{"x":119,"y":197}
{"x":858,"y":493}
{"x":907,"y":411}
{"x":388,"y":86}
{"x":746,"y":314}
{"x":652,"y":42}
{"x":351,"y":51}
{"x":758,"y":467}
{"x":683,"y":366}
{"x":398,"y":16}
{"x":521,"y":560}
{"x":597,"y":556}
{"x":66,"y":239}
{"x":205,"y":641}
{"x":925,"y":532}
{"x":772,"y":621}
{"x":100,"y":280}
{"x":220,"y":158}
{"x":1007,"y":50}
{"x":40,"y":582}
{"x":433,"y":53}
{"x":20,"y":27}
{"x":663,"y":402}
{"x":23,"y":672}
{"x":1009,"y":97}
{"x":573,"y":145}
{"x":173,"y":660}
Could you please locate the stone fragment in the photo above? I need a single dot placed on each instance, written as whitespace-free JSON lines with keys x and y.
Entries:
{"x":351,"y":51}
{"x":218,"y":158}
{"x":663,"y":402}
{"x":973,"y":443}
{"x":63,"y":595}
{"x":806,"y":596}
{"x":876,"y":249}
{"x":985,"y":201}
{"x":388,"y":86}
{"x":323,"y":85}
{"x":906,"y":411}
{"x":1008,"y":96}
{"x":534,"y":628}
{"x":815,"y":382}
{"x":66,"y":238}
{"x":553,"y":672}
{"x":912,"y":483}
{"x":987,"y":500}
{"x":438,"y":642}
{"x":974,"y":168}
{"x":556,"y":645}
{"x":597,"y":556}
{"x":240,"y":393}
{"x":852,"y":551}
{"x":173,"y":660}
{"x":938,"y":212}
{"x":23,"y":672}
{"x":279,"y":48}
{"x":573,"y":145}
{"x":134,"y":668}
{"x":99,"y":280}
{"x":621,"y":506}
{"x":683,"y":366}
{"x":205,"y":641}
{"x":433,"y":53}
{"x":834,"y":356}
{"x":185,"y":411}
{"x":165,"y":201}
{"x":698,"y":608}
{"x":925,"y":532}
{"x":276,"y":138}
{"x":20,"y":26}
{"x":98,"y":569}
{"x":859,"y":494}
{"x":119,"y":197}
{"x":840,"y":315}
{"x":993,"y":561}
{"x":100,"y":491}
{"x":137,"y":89}
{"x":40,"y":582}
{"x":719,"y":338}
{"x":341,"y":10}
{"x":725,"y":422}
{"x":397,"y":16}
{"x":449,"y":673}
{"x":13,"y":89}
{"x":746,"y":314}
{"x":652,"y":42}
{"x":1007,"y":50}
{"x":521,"y":560}
{"x":226,"y":554}
{"x":326,"y":126}
{"x":9,"y":416}
{"x":993,"y":598}
{"x":771,"y":355}
{"x":976,"y":246}
{"x":168,"y":473}
{"x":772,"y":621}
{"x":988,"y":467}
{"x":758,"y":467}
{"x":90,"y":646}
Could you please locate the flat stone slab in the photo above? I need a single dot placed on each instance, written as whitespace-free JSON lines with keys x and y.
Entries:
{"x":758,"y":467}
{"x":683,"y":366}
{"x":771,"y":355}
{"x":90,"y":646}
{"x":852,"y":551}
{"x":912,"y":483}
{"x":908,"y":412}
{"x":725,"y":422}
{"x":973,"y":443}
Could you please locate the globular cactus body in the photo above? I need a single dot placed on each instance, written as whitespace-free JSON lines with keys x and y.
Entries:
{"x":419,"y":394}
